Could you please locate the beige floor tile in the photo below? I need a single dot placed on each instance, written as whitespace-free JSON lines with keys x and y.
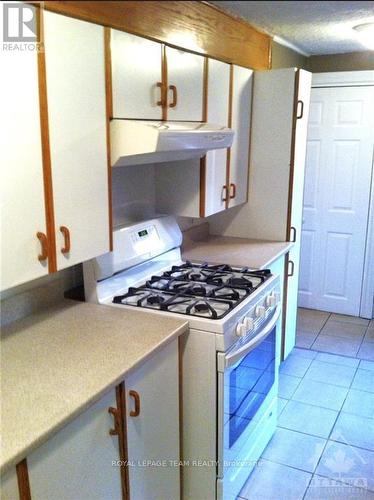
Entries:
{"x":349,"y":319}
{"x":369,"y":335}
{"x":312,"y":313}
{"x":346,"y":330}
{"x":366,"y":351}
{"x":305,"y":339}
{"x":311,"y":323}
{"x":336,"y":345}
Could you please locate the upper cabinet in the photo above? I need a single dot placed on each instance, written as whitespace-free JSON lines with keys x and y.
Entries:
{"x":54,"y":167}
{"x":219,"y":181}
{"x":136,"y":77}
{"x":185,"y":77}
{"x":77,"y":131}
{"x":240,"y":122}
{"x":22,"y":196}
{"x":154,"y":82}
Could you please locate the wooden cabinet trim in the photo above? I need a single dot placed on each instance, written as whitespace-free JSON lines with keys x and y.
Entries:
{"x":164,"y":76}
{"x":194,"y":26}
{"x":23,"y":480}
{"x":46,"y":151}
{"x":284,"y":308}
{"x":122,"y":440}
{"x":229,"y":124}
{"x":202,"y":186}
{"x":292,"y":157}
{"x":109,"y":116}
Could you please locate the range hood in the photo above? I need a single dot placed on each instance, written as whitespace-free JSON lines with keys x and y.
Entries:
{"x":139,"y":142}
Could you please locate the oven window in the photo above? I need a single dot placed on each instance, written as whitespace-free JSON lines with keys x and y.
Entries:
{"x":246,"y":386}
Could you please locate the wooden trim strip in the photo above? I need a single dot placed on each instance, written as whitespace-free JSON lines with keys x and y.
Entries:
{"x":46,"y":150}
{"x":229,"y":124}
{"x":204,"y":119}
{"x":292,"y":158}
{"x":23,"y":480}
{"x":202,"y":186}
{"x":109,"y":116}
{"x":197,"y":27}
{"x":122,"y":440}
{"x":181,"y":453}
{"x":164,"y":77}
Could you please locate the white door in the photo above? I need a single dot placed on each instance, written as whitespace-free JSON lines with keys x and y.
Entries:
{"x":22,"y":192}
{"x":74,"y":53}
{"x":185,"y":85}
{"x":76,"y":463}
{"x":136,"y":76}
{"x":336,"y":198}
{"x":302,"y":92}
{"x":241,"y":122}
{"x":217,"y":112}
{"x":153,"y":430}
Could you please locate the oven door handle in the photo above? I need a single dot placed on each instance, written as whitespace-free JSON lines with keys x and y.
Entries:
{"x":234,"y":357}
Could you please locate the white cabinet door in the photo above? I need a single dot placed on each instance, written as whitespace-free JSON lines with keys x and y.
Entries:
{"x":336,"y":198}
{"x":153,"y":435}
{"x":136,"y":70}
{"x":185,"y":85}
{"x":217,"y":112}
{"x":22,"y":192}
{"x":74,"y":52}
{"x":299,"y":145}
{"x":241,"y":120}
{"x":76,"y":463}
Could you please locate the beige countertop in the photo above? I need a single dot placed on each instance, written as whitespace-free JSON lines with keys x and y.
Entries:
{"x":57,"y":363}
{"x":257,"y":254}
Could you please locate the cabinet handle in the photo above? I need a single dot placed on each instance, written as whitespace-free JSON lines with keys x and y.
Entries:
{"x":66,"y":233}
{"x":44,"y":246}
{"x":114,"y":412}
{"x":136,"y":411}
{"x":173,"y":88}
{"x":299,"y":116}
{"x":290,"y":273}
{"x":232,"y":190}
{"x":224,"y":193}
{"x":293,"y":234}
{"x":161,"y":86}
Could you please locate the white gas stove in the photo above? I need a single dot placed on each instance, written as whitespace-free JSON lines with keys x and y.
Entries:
{"x":233,"y":316}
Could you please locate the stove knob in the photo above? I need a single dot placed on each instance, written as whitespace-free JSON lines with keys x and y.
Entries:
{"x":271,"y":300}
{"x":249,"y":322}
{"x":241,"y":330}
{"x":260,"y":312}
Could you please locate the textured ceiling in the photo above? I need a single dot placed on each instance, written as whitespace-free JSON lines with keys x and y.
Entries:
{"x":312,"y":27}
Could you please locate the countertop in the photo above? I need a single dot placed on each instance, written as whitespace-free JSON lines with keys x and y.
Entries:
{"x":57,"y":363}
{"x":242,"y":252}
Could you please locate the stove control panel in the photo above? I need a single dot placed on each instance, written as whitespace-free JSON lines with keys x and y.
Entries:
{"x":257,"y":314}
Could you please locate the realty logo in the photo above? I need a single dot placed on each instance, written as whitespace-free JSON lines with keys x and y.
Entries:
{"x":19,"y":23}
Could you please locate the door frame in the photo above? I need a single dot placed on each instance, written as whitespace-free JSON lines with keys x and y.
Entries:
{"x":356,"y":79}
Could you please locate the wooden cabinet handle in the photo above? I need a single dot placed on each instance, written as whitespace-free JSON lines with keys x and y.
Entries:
{"x":224,"y":193}
{"x":44,"y":246}
{"x":293,"y":234}
{"x":291,"y":273}
{"x":301,"y":114}
{"x":66,"y":233}
{"x":232,"y":190}
{"x":136,"y":411}
{"x":174,"y":102}
{"x":161,"y":86}
{"x":113,"y":411}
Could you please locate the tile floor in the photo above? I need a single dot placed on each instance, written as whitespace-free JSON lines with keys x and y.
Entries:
{"x":323,"y":447}
{"x":335,"y":333}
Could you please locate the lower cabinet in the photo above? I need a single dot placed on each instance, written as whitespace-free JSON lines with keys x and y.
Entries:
{"x":125,"y":446}
{"x":77,"y":463}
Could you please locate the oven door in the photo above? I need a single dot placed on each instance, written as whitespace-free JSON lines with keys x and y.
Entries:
{"x":247,"y":392}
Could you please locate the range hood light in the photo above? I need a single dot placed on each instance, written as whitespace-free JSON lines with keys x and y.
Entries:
{"x":365,"y":33}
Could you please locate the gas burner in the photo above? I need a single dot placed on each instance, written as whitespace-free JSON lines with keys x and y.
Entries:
{"x":240,"y":282}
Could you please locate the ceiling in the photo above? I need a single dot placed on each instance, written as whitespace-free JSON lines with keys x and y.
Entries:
{"x":313,"y":28}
